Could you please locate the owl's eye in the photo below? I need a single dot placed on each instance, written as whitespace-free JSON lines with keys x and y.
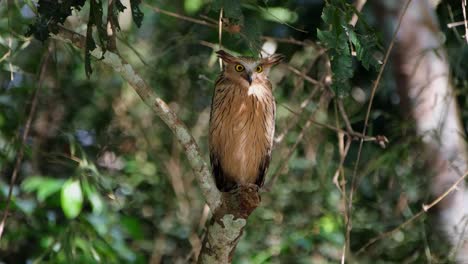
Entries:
{"x":239,"y":68}
{"x":259,"y":69}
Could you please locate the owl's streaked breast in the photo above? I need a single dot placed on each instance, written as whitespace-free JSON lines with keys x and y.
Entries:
{"x":242,"y":128}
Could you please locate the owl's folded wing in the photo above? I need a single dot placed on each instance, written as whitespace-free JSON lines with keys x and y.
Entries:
{"x":265,"y":162}
{"x":223,"y":182}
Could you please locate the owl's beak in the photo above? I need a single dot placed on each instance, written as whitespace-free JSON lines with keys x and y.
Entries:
{"x":248,"y":77}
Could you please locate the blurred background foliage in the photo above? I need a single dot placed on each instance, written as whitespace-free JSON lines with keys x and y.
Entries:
{"x":104,"y":181}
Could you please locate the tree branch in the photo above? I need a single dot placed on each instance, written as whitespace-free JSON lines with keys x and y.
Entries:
{"x":150,"y":98}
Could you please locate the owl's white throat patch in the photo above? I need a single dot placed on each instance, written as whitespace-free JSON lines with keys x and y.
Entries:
{"x":255,"y":89}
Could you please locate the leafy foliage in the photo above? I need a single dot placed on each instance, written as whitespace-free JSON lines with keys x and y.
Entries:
{"x":51,"y":13}
{"x":340,"y":38}
{"x":136,"y":12}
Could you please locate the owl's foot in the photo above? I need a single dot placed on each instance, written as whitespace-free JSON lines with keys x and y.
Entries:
{"x":240,"y":201}
{"x":245,"y":188}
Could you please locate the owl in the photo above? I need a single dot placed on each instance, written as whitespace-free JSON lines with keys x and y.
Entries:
{"x":242,"y":121}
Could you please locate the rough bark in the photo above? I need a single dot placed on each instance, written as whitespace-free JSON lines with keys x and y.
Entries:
{"x":423,"y":79}
{"x":227,"y":225}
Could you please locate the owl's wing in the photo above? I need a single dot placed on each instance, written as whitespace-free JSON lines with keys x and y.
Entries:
{"x":265,"y":162}
{"x":223,"y":183}
{"x":262,"y":170}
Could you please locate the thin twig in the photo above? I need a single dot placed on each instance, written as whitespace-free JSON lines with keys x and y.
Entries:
{"x":27,"y":127}
{"x":134,"y":50}
{"x":344,"y":115}
{"x":198,"y":21}
{"x":344,"y":148}
{"x":463,"y":3}
{"x":283,"y":165}
{"x":452,"y":18}
{"x":6,"y":55}
{"x":352,"y":135}
{"x":407,"y":222}
{"x":456,"y":24}
{"x":181,"y":17}
{"x":381,"y":140}
{"x":302,"y":75}
{"x":366,"y":121}
{"x":294,"y":122}
{"x":282,"y":22}
{"x":310,"y":121}
{"x":220,"y":36}
{"x":358,"y":5}
{"x":340,"y":171}
{"x":209,"y":19}
{"x":209,"y":22}
{"x":288,"y":40}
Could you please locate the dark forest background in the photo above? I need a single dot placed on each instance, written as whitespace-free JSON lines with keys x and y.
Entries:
{"x":103,"y":180}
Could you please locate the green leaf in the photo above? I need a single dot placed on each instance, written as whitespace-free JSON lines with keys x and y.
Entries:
{"x":96,"y":19}
{"x":342,"y":66}
{"x":136,"y":12}
{"x":93,"y":197}
{"x":71,"y":198}
{"x":192,"y":6}
{"x":52,"y":13}
{"x":337,"y":39}
{"x":120,"y":7}
{"x":279,"y":14}
{"x":365,"y":45}
{"x":44,"y":186}
{"x":332,"y":40}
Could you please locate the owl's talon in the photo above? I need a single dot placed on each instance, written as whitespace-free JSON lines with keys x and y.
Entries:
{"x":235,"y":190}
{"x":242,"y":188}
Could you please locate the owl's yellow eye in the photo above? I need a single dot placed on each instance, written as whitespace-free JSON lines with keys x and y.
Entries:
{"x":259,"y":69}
{"x":239,"y":68}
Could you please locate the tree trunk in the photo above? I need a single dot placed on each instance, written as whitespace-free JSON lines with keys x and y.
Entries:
{"x":227,"y":225}
{"x":423,"y":79}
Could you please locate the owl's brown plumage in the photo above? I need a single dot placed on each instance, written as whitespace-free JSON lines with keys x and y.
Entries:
{"x":242,"y":121}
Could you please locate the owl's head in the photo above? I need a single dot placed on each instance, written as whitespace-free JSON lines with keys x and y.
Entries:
{"x":247,"y":70}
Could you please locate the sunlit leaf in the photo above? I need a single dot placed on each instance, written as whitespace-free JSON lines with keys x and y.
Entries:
{"x":279,"y":14}
{"x":71,"y":198}
{"x":192,"y":6}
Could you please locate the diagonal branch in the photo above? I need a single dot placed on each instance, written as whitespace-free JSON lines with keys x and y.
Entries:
{"x":159,"y":107}
{"x":24,"y":136}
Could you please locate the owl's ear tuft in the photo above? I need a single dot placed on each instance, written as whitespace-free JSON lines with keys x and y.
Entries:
{"x":273,"y":59}
{"x":226,"y":57}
